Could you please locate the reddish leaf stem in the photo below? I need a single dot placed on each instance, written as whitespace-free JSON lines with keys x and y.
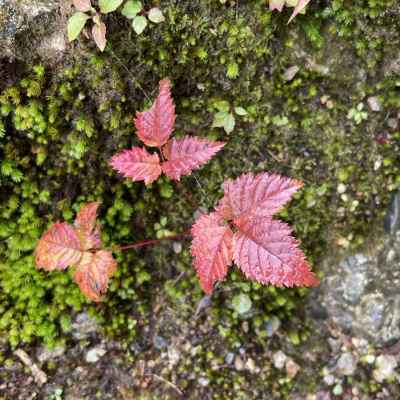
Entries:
{"x":152,"y":241}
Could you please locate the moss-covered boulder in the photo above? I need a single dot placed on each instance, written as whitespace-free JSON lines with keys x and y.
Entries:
{"x":60,"y":126}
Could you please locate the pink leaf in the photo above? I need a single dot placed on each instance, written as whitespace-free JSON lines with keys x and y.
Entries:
{"x":267,"y":253}
{"x":137,"y":164}
{"x":211,"y":249}
{"x":82,"y":5}
{"x":99,"y":35}
{"x":299,"y":8}
{"x":58,"y":248}
{"x":185,"y":155}
{"x":93,"y":273}
{"x":156,"y":124}
{"x":252,"y":196}
{"x":276,"y":4}
{"x":85,"y":226}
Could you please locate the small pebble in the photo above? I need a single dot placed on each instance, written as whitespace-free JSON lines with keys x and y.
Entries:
{"x":279,"y":359}
{"x":346,"y":364}
{"x":94,"y":354}
{"x":292,"y":368}
{"x":384,"y":367}
{"x":239,"y":365}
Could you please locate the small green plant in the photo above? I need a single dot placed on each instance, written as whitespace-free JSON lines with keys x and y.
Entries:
{"x":225,"y":115}
{"x":85,"y":12}
{"x":357,"y":114}
{"x":133,"y":10}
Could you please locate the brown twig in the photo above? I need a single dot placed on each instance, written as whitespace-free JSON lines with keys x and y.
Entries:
{"x":170,"y":384}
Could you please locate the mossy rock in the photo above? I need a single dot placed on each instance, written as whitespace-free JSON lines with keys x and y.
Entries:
{"x":60,"y":126}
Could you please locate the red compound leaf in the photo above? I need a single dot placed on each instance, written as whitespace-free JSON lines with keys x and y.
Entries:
{"x":258,"y":196}
{"x":156,"y":124}
{"x":93,"y":273}
{"x":211,"y":249}
{"x":276,"y":4}
{"x":137,"y":164}
{"x":85,"y":226}
{"x":298,"y":9}
{"x":267,"y":253}
{"x":58,"y":248}
{"x":185,"y":155}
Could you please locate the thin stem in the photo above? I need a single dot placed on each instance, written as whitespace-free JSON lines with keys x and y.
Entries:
{"x":130,"y":74}
{"x":151,"y":241}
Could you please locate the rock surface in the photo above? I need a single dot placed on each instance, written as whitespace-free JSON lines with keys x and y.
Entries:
{"x":32,"y":29}
{"x":360,"y":293}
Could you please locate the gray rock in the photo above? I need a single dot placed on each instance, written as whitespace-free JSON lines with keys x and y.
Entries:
{"x":159,"y":342}
{"x":374,"y":103}
{"x":204,"y":381}
{"x":360,"y":292}
{"x":239,"y":364}
{"x":229,"y":358}
{"x":279,"y":359}
{"x":94,"y":354}
{"x":173,"y":355}
{"x":84,"y":326}
{"x":32,"y":28}
{"x":346,"y":365}
{"x":45,"y":354}
{"x":272,"y":326}
{"x":384,"y":367}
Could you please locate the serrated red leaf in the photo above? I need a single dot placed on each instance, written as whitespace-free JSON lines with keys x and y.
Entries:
{"x":267,"y":253}
{"x":299,"y":8}
{"x":155,"y":125}
{"x":85,"y":226}
{"x":93,"y":273}
{"x":187,"y":154}
{"x":137,"y":164}
{"x":276,"y":4}
{"x":258,"y":196}
{"x":58,"y":248}
{"x":211,"y":249}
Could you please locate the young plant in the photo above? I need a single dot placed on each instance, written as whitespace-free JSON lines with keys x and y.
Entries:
{"x":79,"y":245}
{"x":86,"y":12}
{"x":241,"y":229}
{"x":154,"y":126}
{"x":133,"y":10}
{"x":225,"y":117}
{"x":299,"y":6}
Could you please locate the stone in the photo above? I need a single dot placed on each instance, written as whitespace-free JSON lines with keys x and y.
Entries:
{"x":374,"y":103}
{"x":346,"y":365}
{"x":32,"y":28}
{"x":159,"y":342}
{"x":272,"y":326}
{"x":84,"y":326}
{"x":45,"y":354}
{"x":279,"y":359}
{"x":239,"y":364}
{"x":251,"y":365}
{"x":359,"y":292}
{"x":384,"y":367}
{"x":94,"y":354}
{"x":229,"y":358}
{"x":173,"y":355}
{"x":203,"y":381}
{"x":292,"y":368}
